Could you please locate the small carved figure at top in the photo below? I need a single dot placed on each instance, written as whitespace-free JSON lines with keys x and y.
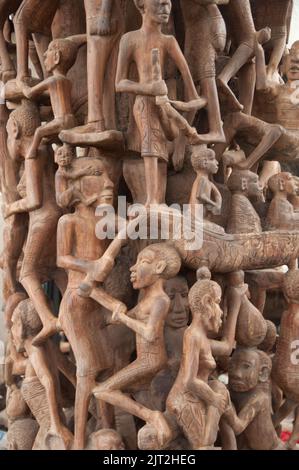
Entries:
{"x":243,"y":218}
{"x":59,"y":58}
{"x":204,"y":191}
{"x":281,"y":214}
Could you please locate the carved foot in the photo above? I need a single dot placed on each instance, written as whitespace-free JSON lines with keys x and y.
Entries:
{"x":228,"y":93}
{"x":61,"y":439}
{"x":48,"y":330}
{"x":108,"y":140}
{"x":210,"y":138}
{"x":164,"y":432}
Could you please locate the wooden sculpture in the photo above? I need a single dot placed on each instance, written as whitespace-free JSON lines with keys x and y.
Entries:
{"x":150,"y":197}
{"x":197,"y":402}
{"x":249,"y":384}
{"x":154,"y":264}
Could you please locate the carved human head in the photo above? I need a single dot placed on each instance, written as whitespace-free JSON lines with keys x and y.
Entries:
{"x":95,"y":182}
{"x":105,"y":439}
{"x":25,"y":323}
{"x":204,"y":302}
{"x":22,"y":124}
{"x":64,"y":155}
{"x":203,"y":158}
{"x":291,"y":286}
{"x":21,"y":434}
{"x":292,"y":62}
{"x":283,"y":183}
{"x":158,"y":261}
{"x":247,"y":368}
{"x":246,"y":182}
{"x":61,"y":53}
{"x":177,"y":290}
{"x":158,"y":11}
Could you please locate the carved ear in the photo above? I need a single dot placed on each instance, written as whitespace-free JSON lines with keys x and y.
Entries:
{"x":160,"y":267}
{"x":244,"y":184}
{"x":15,"y":129}
{"x":57,"y":57}
{"x":281,"y":184}
{"x":264,"y":374}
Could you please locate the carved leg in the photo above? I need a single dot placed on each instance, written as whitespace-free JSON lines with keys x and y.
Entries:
{"x":110,"y":392}
{"x":6,"y":63}
{"x":155,"y":180}
{"x":41,"y":44}
{"x":22,"y":42}
{"x":209,"y":91}
{"x":284,"y":411}
{"x":51,"y":129}
{"x":291,"y":444}
{"x":83,"y":396}
{"x":247,"y":79}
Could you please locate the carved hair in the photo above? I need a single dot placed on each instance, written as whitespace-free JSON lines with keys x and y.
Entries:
{"x":291,"y":285}
{"x":274,"y":183}
{"x":68,"y":52}
{"x":171,"y":257}
{"x":234,"y":182}
{"x":198,"y":292}
{"x":27,"y":117}
{"x":104,"y":434}
{"x":199,"y":155}
{"x":21,"y":434}
{"x":30,"y":320}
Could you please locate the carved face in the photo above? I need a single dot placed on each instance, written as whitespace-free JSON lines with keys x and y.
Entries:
{"x":157,"y":11}
{"x":211,"y":311}
{"x":177,"y":291}
{"x":292,"y":63}
{"x":51,"y":58}
{"x":97,"y":183}
{"x":17,"y":332}
{"x":108,"y":441}
{"x":291,"y":186}
{"x":13,"y":143}
{"x":146,"y":270}
{"x":244,"y":370}
{"x":64,"y":156}
{"x":252,"y":186}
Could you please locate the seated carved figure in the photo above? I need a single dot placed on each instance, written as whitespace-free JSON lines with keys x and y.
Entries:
{"x":281,"y":214}
{"x":249,"y":385}
{"x":195,"y":400}
{"x":68,"y":195}
{"x":243,"y":218}
{"x":204,"y":191}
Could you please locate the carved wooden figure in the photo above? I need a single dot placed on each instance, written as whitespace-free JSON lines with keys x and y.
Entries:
{"x":249,"y":385}
{"x":205,"y":36}
{"x":36,"y":189}
{"x":154,"y":264}
{"x":285,"y":365}
{"x":274,"y":14}
{"x":197,"y":401}
{"x":59,"y":58}
{"x":243,"y":217}
{"x":281,"y":213}
{"x":81,"y":317}
{"x":43,"y":364}
{"x":153,"y":126}
{"x":204,"y":191}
